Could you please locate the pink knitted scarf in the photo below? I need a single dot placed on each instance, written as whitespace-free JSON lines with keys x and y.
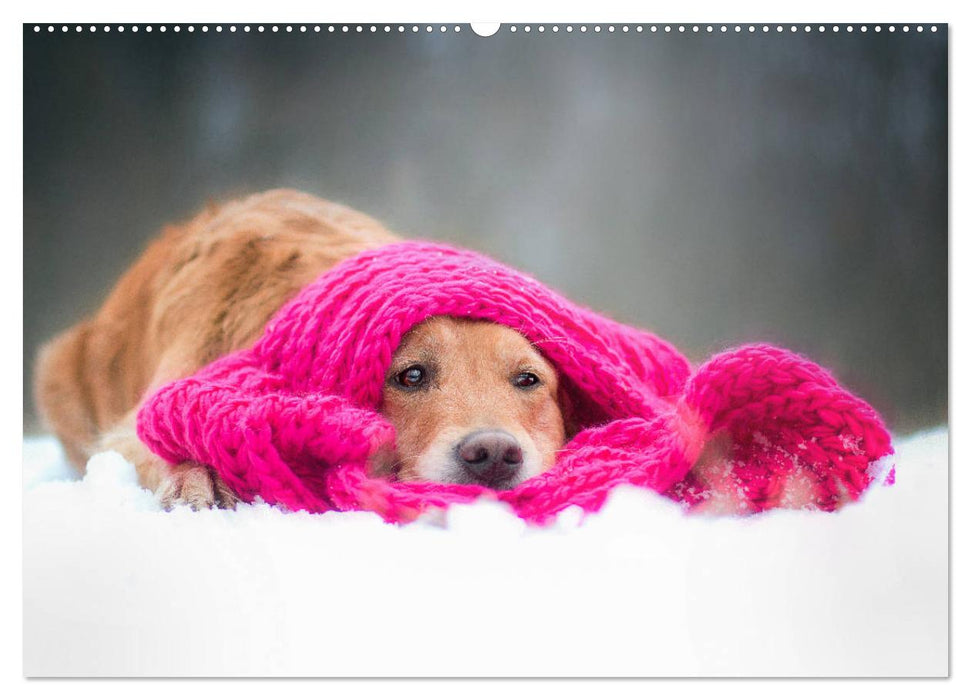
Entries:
{"x":294,"y":419}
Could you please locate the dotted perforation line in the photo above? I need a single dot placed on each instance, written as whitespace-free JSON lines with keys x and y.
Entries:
{"x":248,"y":28}
{"x":513,"y":28}
{"x":718,"y":28}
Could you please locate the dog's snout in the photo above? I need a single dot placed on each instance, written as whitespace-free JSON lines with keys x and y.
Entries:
{"x":490,"y":456}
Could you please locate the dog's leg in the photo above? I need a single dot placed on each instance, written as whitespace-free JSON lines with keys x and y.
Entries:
{"x":187,"y":483}
{"x":714,"y":471}
{"x":63,"y":398}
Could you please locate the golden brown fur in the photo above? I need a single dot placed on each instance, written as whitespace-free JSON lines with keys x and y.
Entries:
{"x":207,"y":287}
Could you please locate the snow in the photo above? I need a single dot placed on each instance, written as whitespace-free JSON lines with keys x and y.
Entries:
{"x":115,"y":586}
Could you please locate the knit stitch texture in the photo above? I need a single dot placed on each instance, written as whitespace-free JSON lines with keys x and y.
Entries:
{"x":294,"y":419}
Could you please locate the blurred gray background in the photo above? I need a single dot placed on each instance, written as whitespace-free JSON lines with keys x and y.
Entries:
{"x":716,"y":189}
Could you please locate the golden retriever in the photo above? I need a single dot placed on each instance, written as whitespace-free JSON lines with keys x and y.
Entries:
{"x":471,"y":401}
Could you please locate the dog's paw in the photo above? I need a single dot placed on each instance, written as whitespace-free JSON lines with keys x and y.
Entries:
{"x":196,"y":486}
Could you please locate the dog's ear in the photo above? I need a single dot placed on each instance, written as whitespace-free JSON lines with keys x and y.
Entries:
{"x":568,"y":409}
{"x":383,"y":464}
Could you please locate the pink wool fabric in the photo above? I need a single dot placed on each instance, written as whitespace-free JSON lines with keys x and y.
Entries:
{"x":295,"y":419}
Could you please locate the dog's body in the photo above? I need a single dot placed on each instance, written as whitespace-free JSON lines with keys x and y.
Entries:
{"x":208,"y":287}
{"x":200,"y":291}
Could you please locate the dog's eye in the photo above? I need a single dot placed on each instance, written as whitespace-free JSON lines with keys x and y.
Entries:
{"x":411,"y":378}
{"x":525,"y":380}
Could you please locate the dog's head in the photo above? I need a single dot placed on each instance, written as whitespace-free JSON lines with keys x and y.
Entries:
{"x":472,"y":402}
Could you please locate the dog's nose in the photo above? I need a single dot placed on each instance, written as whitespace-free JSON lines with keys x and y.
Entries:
{"x":490,"y":456}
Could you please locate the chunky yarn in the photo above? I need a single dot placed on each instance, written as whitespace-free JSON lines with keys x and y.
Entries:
{"x":294,"y":420}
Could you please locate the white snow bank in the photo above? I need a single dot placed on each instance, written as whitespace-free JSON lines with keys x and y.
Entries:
{"x":115,"y":586}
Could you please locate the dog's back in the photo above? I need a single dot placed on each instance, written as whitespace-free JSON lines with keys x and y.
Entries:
{"x":203,"y":289}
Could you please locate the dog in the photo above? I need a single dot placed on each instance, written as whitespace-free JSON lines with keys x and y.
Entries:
{"x":471,"y":401}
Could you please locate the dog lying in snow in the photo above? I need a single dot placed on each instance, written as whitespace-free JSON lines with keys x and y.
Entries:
{"x":471,"y":401}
